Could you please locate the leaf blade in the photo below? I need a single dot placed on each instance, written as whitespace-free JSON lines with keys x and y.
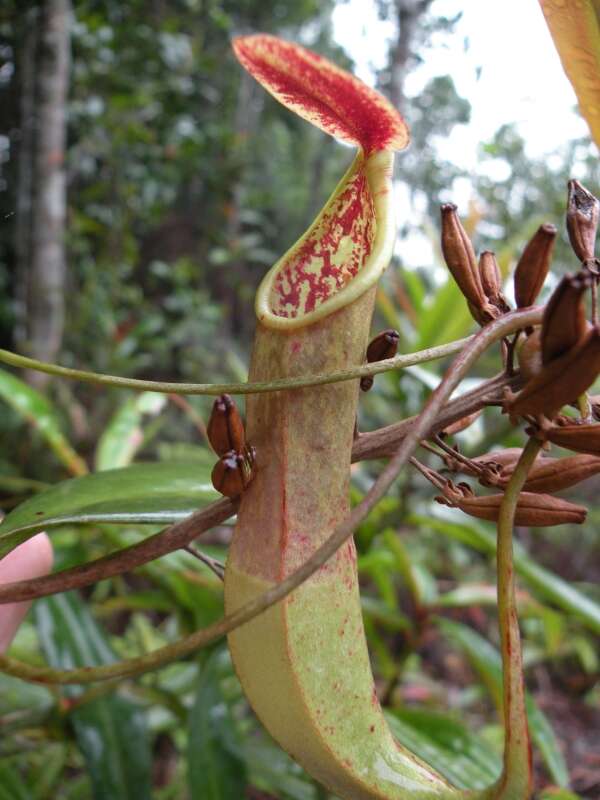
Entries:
{"x":157,"y":493}
{"x":216,"y":768}
{"x":110,"y":731}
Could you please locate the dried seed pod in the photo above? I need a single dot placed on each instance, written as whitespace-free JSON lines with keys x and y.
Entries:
{"x":529,"y":355}
{"x":582,"y":220}
{"x":564,"y":322}
{"x":460,"y":259}
{"x":537,"y":510}
{"x":555,"y":474}
{"x":461,"y":424}
{"x":484,"y":313}
{"x":584,"y":438}
{"x":533,"y":266}
{"x":560,"y":382}
{"x":225,"y":428}
{"x":499,"y":465}
{"x":491,"y":281}
{"x":494,"y":462}
{"x":384,"y":345}
{"x":233,"y":472}
{"x":505,"y":458}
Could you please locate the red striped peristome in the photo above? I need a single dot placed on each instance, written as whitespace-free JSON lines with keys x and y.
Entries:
{"x":322,"y":93}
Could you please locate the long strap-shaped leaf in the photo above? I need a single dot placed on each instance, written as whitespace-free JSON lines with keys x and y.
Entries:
{"x":304,"y":663}
{"x":575,"y":28}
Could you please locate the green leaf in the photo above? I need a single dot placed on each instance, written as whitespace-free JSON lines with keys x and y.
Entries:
{"x":416,"y":289}
{"x":418,"y":580}
{"x":446,"y":318}
{"x":35,"y":409}
{"x":17,"y":695}
{"x":546,"y":583}
{"x":215,"y":766}
{"x":159,"y":493}
{"x":12,"y":786}
{"x":461,"y":756}
{"x":123,"y":435}
{"x":469,"y":594}
{"x":110,"y":731}
{"x":486,"y":660}
{"x":273,"y":771}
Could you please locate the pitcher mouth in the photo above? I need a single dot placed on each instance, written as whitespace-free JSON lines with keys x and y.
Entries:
{"x":341,"y":255}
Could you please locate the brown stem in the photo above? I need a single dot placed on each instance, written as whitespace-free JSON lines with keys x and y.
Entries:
{"x":457,"y":456}
{"x":173,"y":538}
{"x":384,"y":441}
{"x":214,"y":566}
{"x":430,"y":474}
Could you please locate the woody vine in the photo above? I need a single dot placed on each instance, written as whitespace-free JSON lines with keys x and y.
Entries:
{"x":292,"y":601}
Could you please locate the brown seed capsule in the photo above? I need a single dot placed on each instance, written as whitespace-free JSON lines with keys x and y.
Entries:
{"x":460,"y":259}
{"x":461,"y":424}
{"x":384,"y":345}
{"x":584,"y":438}
{"x":529,"y":355}
{"x":233,"y":472}
{"x":491,"y":281}
{"x":555,"y":474}
{"x":225,"y":428}
{"x":560,"y":382}
{"x":549,"y":475}
{"x":537,"y":510}
{"x":533,"y":266}
{"x":582,"y":220}
{"x":564,"y":322}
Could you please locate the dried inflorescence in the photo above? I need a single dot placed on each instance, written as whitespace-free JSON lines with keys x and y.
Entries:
{"x":558,"y":362}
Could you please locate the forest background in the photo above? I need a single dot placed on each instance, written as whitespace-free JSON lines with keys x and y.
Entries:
{"x":147,"y":183}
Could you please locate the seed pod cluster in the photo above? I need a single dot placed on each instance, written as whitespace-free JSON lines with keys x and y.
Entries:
{"x":560,"y":382}
{"x":558,"y":362}
{"x":236,"y":467}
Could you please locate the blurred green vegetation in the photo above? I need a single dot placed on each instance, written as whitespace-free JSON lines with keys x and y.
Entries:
{"x":185,"y":183}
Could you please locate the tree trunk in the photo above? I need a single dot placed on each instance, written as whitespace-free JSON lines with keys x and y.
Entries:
{"x":25,"y":63}
{"x":46,"y":249}
{"x":408,"y":16}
